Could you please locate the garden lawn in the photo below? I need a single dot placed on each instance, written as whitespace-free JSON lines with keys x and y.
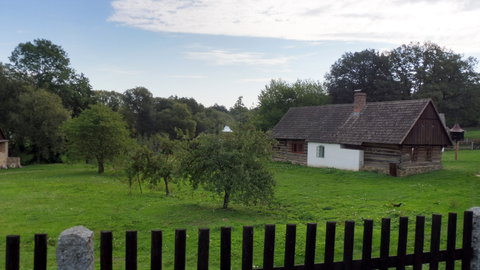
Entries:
{"x":51,"y":198}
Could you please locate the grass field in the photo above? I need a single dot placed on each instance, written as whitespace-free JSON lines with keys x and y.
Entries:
{"x":51,"y":198}
{"x":472,"y":133}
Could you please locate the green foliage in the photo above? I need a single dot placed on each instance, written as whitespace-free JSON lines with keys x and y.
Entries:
{"x":50,"y":198}
{"x":98,"y":133}
{"x":112,"y":99}
{"x":367,"y":70}
{"x":279,"y":96}
{"x":36,"y":124}
{"x":46,"y":65}
{"x":231,"y":164}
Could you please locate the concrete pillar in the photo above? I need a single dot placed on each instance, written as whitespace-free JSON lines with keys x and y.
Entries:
{"x":75,"y":249}
{"x":475,"y":264}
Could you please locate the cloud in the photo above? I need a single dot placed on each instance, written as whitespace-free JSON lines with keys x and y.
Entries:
{"x":187,"y":76}
{"x":451,"y":23}
{"x":220,"y":57}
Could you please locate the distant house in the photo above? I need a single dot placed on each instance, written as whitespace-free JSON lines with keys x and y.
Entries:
{"x":3,"y":150}
{"x":396,"y":137}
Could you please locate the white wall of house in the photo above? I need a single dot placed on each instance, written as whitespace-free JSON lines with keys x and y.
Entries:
{"x":334,"y":156}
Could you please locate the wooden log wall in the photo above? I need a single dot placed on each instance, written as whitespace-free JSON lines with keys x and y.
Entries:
{"x":283,"y":152}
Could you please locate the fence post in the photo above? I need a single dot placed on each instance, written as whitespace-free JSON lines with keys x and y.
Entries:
{"x":475,"y":263}
{"x":75,"y":249}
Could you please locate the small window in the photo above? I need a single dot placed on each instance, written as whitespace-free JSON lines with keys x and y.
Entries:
{"x":320,"y":151}
{"x":428,"y":154}
{"x":414,"y":154}
{"x":297,"y":147}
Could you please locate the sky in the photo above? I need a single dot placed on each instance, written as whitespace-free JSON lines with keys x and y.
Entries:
{"x":218,"y":50}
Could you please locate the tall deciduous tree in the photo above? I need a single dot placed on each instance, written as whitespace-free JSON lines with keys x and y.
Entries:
{"x":97,"y":133}
{"x":138,"y":110}
{"x":367,"y":70}
{"x":47,"y":66}
{"x":36,"y":124}
{"x":232,"y":165}
{"x":279,"y":96}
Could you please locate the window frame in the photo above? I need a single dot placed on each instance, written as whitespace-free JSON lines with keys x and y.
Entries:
{"x":318,"y":152}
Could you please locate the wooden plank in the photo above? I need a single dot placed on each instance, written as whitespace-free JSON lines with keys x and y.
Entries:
{"x":156,"y":250}
{"x":348,"y":244}
{"x":402,"y":242}
{"x":384,"y":243}
{"x":451,"y":240}
{"x":131,"y":250}
{"x":269,"y":247}
{"x":247,"y":248}
{"x":203,"y":249}
{"x":467,"y":239}
{"x":419,"y":242}
{"x":330,"y":244}
{"x":310,"y":243}
{"x":40,"y":252}
{"x":106,"y":248}
{"x":290,"y":242}
{"x":367,"y":243}
{"x":180,"y":249}
{"x":12,"y":252}
{"x":435,"y":240}
{"x":225,"y":248}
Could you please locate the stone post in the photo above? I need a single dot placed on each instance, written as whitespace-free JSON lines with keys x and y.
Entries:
{"x":475,"y":264}
{"x":75,"y":249}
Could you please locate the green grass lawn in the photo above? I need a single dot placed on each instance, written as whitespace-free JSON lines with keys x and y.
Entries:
{"x":51,"y":198}
{"x":472,"y":133}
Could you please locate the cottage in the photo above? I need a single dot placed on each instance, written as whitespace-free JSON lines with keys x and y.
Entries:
{"x":396,"y":137}
{"x":3,"y":150}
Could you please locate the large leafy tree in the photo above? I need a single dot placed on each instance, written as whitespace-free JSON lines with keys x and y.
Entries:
{"x":232,"y":165}
{"x":47,"y":66}
{"x":367,"y":70}
{"x":279,"y":96}
{"x":138,"y":110}
{"x":430,"y":71}
{"x":97,"y":133}
{"x":36,"y":124}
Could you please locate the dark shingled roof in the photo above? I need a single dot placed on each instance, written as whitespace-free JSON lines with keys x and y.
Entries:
{"x":379,"y":122}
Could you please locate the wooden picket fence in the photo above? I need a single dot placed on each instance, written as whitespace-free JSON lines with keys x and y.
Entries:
{"x":433,"y":257}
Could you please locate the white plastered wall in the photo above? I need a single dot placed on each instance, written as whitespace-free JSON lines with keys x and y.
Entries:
{"x":335,"y":157}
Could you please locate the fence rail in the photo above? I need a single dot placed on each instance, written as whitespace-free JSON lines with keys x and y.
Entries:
{"x":419,"y":258}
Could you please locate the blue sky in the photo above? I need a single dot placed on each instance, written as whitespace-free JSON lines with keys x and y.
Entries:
{"x":218,"y":50}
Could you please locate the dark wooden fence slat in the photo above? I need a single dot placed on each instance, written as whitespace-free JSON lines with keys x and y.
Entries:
{"x":131,"y":250}
{"x":12,"y":253}
{"x":290,"y":242}
{"x":40,"y":252}
{"x":203,"y":249}
{"x":384,"y":243}
{"x":367,"y":243}
{"x":225,"y":248}
{"x":435,"y":240}
{"x":180,"y":249}
{"x":330,"y":244}
{"x":467,"y":239}
{"x":402,"y":242}
{"x":310,"y":243}
{"x":451,"y":240}
{"x":106,"y":248}
{"x":156,"y":250}
{"x":348,"y":244}
{"x":419,"y":242}
{"x":269,"y":247}
{"x":247,"y":248}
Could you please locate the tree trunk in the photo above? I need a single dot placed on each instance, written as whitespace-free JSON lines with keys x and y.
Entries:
{"x":139,"y":183}
{"x":101,"y":167}
{"x":226,"y":200}
{"x":167,"y":192}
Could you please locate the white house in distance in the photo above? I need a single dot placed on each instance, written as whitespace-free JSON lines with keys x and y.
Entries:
{"x":3,"y":150}
{"x":397,"y":137}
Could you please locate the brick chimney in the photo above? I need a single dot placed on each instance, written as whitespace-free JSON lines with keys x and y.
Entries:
{"x":359,"y":101}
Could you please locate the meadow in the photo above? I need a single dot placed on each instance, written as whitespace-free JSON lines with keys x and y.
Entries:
{"x":52,"y":198}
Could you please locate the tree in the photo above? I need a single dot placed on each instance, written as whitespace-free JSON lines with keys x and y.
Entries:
{"x":47,"y":66}
{"x":176,"y":121}
{"x":36,"y":124}
{"x":240,"y":113}
{"x":112,"y":99}
{"x":279,"y":96}
{"x":138,"y":110}
{"x":99,"y":133}
{"x":367,"y":70}
{"x":430,"y":71}
{"x":232,"y":165}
